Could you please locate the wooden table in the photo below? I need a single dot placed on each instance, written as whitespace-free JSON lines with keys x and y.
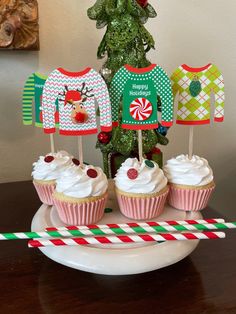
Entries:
{"x":205,"y":282}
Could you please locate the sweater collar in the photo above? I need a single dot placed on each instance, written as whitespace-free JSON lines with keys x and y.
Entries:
{"x":74,"y":74}
{"x":140,"y":70}
{"x":190,"y":69}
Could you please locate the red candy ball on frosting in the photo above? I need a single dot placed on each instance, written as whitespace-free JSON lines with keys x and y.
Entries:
{"x":132,"y":174}
{"x":49,"y":159}
{"x":76,"y":161}
{"x":92,"y":173}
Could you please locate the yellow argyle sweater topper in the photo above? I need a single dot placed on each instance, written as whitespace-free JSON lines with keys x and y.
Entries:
{"x":194,"y":86}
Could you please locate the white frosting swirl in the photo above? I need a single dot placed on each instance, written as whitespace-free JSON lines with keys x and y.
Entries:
{"x":149,"y":180}
{"x":47,"y":171}
{"x":195,"y":172}
{"x":75,"y":182}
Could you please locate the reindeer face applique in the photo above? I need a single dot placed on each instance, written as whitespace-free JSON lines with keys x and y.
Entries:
{"x":76,"y":99}
{"x":79,"y":114}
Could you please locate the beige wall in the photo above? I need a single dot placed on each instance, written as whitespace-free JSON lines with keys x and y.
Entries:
{"x":186,"y":31}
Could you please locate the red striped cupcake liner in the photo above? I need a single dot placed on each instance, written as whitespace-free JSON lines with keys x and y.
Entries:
{"x":190,"y":199}
{"x":142,"y":208}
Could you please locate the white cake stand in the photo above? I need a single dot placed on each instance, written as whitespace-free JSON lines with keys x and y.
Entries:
{"x":119,"y":259}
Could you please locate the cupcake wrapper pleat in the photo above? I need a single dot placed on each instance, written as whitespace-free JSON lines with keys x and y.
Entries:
{"x":189,"y":199}
{"x":45,"y":192}
{"x":142,"y":208}
{"x":85,"y":213}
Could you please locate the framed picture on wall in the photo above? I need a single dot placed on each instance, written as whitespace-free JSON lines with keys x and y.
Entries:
{"x":19,"y":27}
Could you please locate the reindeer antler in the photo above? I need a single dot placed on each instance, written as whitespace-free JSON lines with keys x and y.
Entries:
{"x":64,"y":93}
{"x":89,"y":91}
{"x":82,"y":89}
{"x":85,"y":93}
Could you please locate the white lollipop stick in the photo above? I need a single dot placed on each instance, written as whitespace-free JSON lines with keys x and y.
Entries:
{"x":81,"y":154}
{"x":140,"y":146}
{"x":52,"y":143}
{"x":190,"y":149}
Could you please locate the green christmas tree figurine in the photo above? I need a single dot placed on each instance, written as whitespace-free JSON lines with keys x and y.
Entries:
{"x":126,"y":41}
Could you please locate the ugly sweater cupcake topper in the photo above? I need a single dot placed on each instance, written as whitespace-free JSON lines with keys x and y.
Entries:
{"x":32,"y":95}
{"x":194,"y":87}
{"x":76,"y":93}
{"x":139,"y":90}
{"x":32,"y":99}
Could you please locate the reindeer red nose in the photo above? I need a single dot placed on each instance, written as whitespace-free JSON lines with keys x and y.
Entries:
{"x":80,"y":117}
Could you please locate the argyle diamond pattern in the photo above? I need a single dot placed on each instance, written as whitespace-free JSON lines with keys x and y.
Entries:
{"x":201,"y":112}
{"x":183,"y":112}
{"x":196,"y":110}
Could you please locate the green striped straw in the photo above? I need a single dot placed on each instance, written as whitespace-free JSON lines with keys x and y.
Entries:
{"x":117,"y":231}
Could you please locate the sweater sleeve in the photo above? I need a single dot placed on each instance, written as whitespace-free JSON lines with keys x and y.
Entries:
{"x":50,"y":95}
{"x":174,"y":81}
{"x":116,"y":92}
{"x":164,"y":90}
{"x":27,"y":100}
{"x":103,"y":99}
{"x":218,"y":88}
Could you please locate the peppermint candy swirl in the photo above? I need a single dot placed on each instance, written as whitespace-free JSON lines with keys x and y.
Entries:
{"x":140,"y":109}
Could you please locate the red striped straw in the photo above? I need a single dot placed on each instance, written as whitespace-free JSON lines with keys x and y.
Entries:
{"x":126,"y":239}
{"x":141,"y":224}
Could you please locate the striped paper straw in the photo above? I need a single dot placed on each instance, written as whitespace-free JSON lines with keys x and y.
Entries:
{"x":126,"y":239}
{"x":142,"y":225}
{"x":140,"y":230}
{"x":115,"y":230}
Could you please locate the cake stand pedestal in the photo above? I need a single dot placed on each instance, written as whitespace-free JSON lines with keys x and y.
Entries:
{"x":119,"y":259}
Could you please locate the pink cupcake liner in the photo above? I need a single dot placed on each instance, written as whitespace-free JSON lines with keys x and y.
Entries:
{"x":189,"y":199}
{"x":84,"y":213}
{"x":142,"y":208}
{"x":45,"y":192}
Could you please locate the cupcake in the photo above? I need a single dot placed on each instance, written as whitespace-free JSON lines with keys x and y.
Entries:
{"x":46,"y":171}
{"x":81,"y":195}
{"x":141,"y":189}
{"x":191,"y":182}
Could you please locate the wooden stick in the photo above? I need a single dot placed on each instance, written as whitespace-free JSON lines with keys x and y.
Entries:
{"x":190,"y":148}
{"x":140,"y":146}
{"x":52,"y":143}
{"x":81,"y":154}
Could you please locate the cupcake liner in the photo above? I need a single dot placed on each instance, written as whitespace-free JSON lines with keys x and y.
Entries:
{"x":142,"y":208}
{"x":190,"y":199}
{"x":81,"y":213}
{"x":45,"y":192}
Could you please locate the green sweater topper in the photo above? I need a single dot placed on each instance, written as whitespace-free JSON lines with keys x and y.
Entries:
{"x":139,"y":90}
{"x":32,"y":94}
